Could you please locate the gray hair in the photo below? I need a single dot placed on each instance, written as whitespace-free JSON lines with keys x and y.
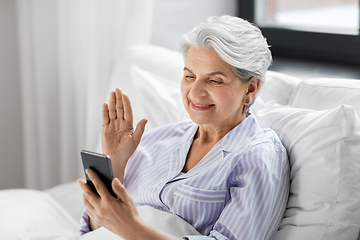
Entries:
{"x":238,"y":42}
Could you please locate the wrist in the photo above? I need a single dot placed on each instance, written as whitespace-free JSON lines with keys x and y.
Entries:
{"x":93,"y":225}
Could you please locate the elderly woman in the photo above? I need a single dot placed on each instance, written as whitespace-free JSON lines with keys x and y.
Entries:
{"x":219,"y":171}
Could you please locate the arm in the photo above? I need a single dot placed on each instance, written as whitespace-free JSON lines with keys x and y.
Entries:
{"x":118,"y":137}
{"x":120,"y":215}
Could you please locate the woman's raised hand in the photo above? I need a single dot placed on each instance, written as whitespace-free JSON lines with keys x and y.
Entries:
{"x":118,"y":137}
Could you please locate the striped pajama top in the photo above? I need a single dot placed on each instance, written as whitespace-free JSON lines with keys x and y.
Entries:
{"x":239,"y":190}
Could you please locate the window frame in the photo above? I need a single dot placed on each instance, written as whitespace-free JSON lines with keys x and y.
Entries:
{"x":304,"y":44}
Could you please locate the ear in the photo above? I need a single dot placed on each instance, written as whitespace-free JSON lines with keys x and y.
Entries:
{"x":252,"y":89}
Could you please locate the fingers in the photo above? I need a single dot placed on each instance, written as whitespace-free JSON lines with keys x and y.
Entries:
{"x":105,"y":118}
{"x":121,"y":192}
{"x":86,"y":189}
{"x":87,"y":194}
{"x":119,"y":108}
{"x":128,"y":115}
{"x":140,"y":128}
{"x":112,"y":106}
{"x":119,"y":104}
{"x":89,"y":208}
{"x":99,"y":185}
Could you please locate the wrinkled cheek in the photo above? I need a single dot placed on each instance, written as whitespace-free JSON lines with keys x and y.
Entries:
{"x":184,"y":94}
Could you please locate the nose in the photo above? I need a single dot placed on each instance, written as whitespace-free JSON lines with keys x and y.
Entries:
{"x":198,"y":89}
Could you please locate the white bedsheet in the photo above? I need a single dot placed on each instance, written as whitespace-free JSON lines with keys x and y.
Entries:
{"x":31,"y":214}
{"x":35,"y":215}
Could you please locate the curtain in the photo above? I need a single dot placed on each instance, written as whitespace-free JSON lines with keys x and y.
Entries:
{"x":68,"y":49}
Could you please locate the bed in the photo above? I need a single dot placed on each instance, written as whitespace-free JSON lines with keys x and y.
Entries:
{"x":316,"y":119}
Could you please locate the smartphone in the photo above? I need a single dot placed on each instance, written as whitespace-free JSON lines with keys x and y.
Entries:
{"x":101,"y":165}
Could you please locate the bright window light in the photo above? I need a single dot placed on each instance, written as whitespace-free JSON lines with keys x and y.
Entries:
{"x":331,"y":16}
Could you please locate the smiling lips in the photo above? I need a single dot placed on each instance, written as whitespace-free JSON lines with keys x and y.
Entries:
{"x":201,"y":107}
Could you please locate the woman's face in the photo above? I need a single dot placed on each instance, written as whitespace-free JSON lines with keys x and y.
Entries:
{"x":211,"y":92}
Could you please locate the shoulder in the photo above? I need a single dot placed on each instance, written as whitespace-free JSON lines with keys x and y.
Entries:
{"x":261,"y":150}
{"x":249,"y":136}
{"x":267,"y":140}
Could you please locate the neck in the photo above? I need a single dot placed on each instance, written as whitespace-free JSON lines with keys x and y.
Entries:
{"x":212,"y":133}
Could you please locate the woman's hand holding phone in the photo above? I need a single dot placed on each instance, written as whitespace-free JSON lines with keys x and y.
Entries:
{"x":118,"y":137}
{"x":119,"y":215}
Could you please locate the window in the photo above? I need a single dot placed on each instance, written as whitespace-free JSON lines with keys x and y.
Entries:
{"x":309,"y":28}
{"x":334,"y":16}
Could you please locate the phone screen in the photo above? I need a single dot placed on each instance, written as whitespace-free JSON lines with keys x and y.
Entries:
{"x":101,"y":165}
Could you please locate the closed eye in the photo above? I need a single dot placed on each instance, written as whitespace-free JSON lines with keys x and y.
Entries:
{"x":216,"y":82}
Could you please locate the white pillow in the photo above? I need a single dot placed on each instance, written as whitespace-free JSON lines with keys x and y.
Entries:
{"x":33,"y":215}
{"x":158,"y":60}
{"x":324,"y":152}
{"x":278,"y":87}
{"x":70,"y":196}
{"x":326,"y":93}
{"x":161,"y":62}
{"x":158,"y":99}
